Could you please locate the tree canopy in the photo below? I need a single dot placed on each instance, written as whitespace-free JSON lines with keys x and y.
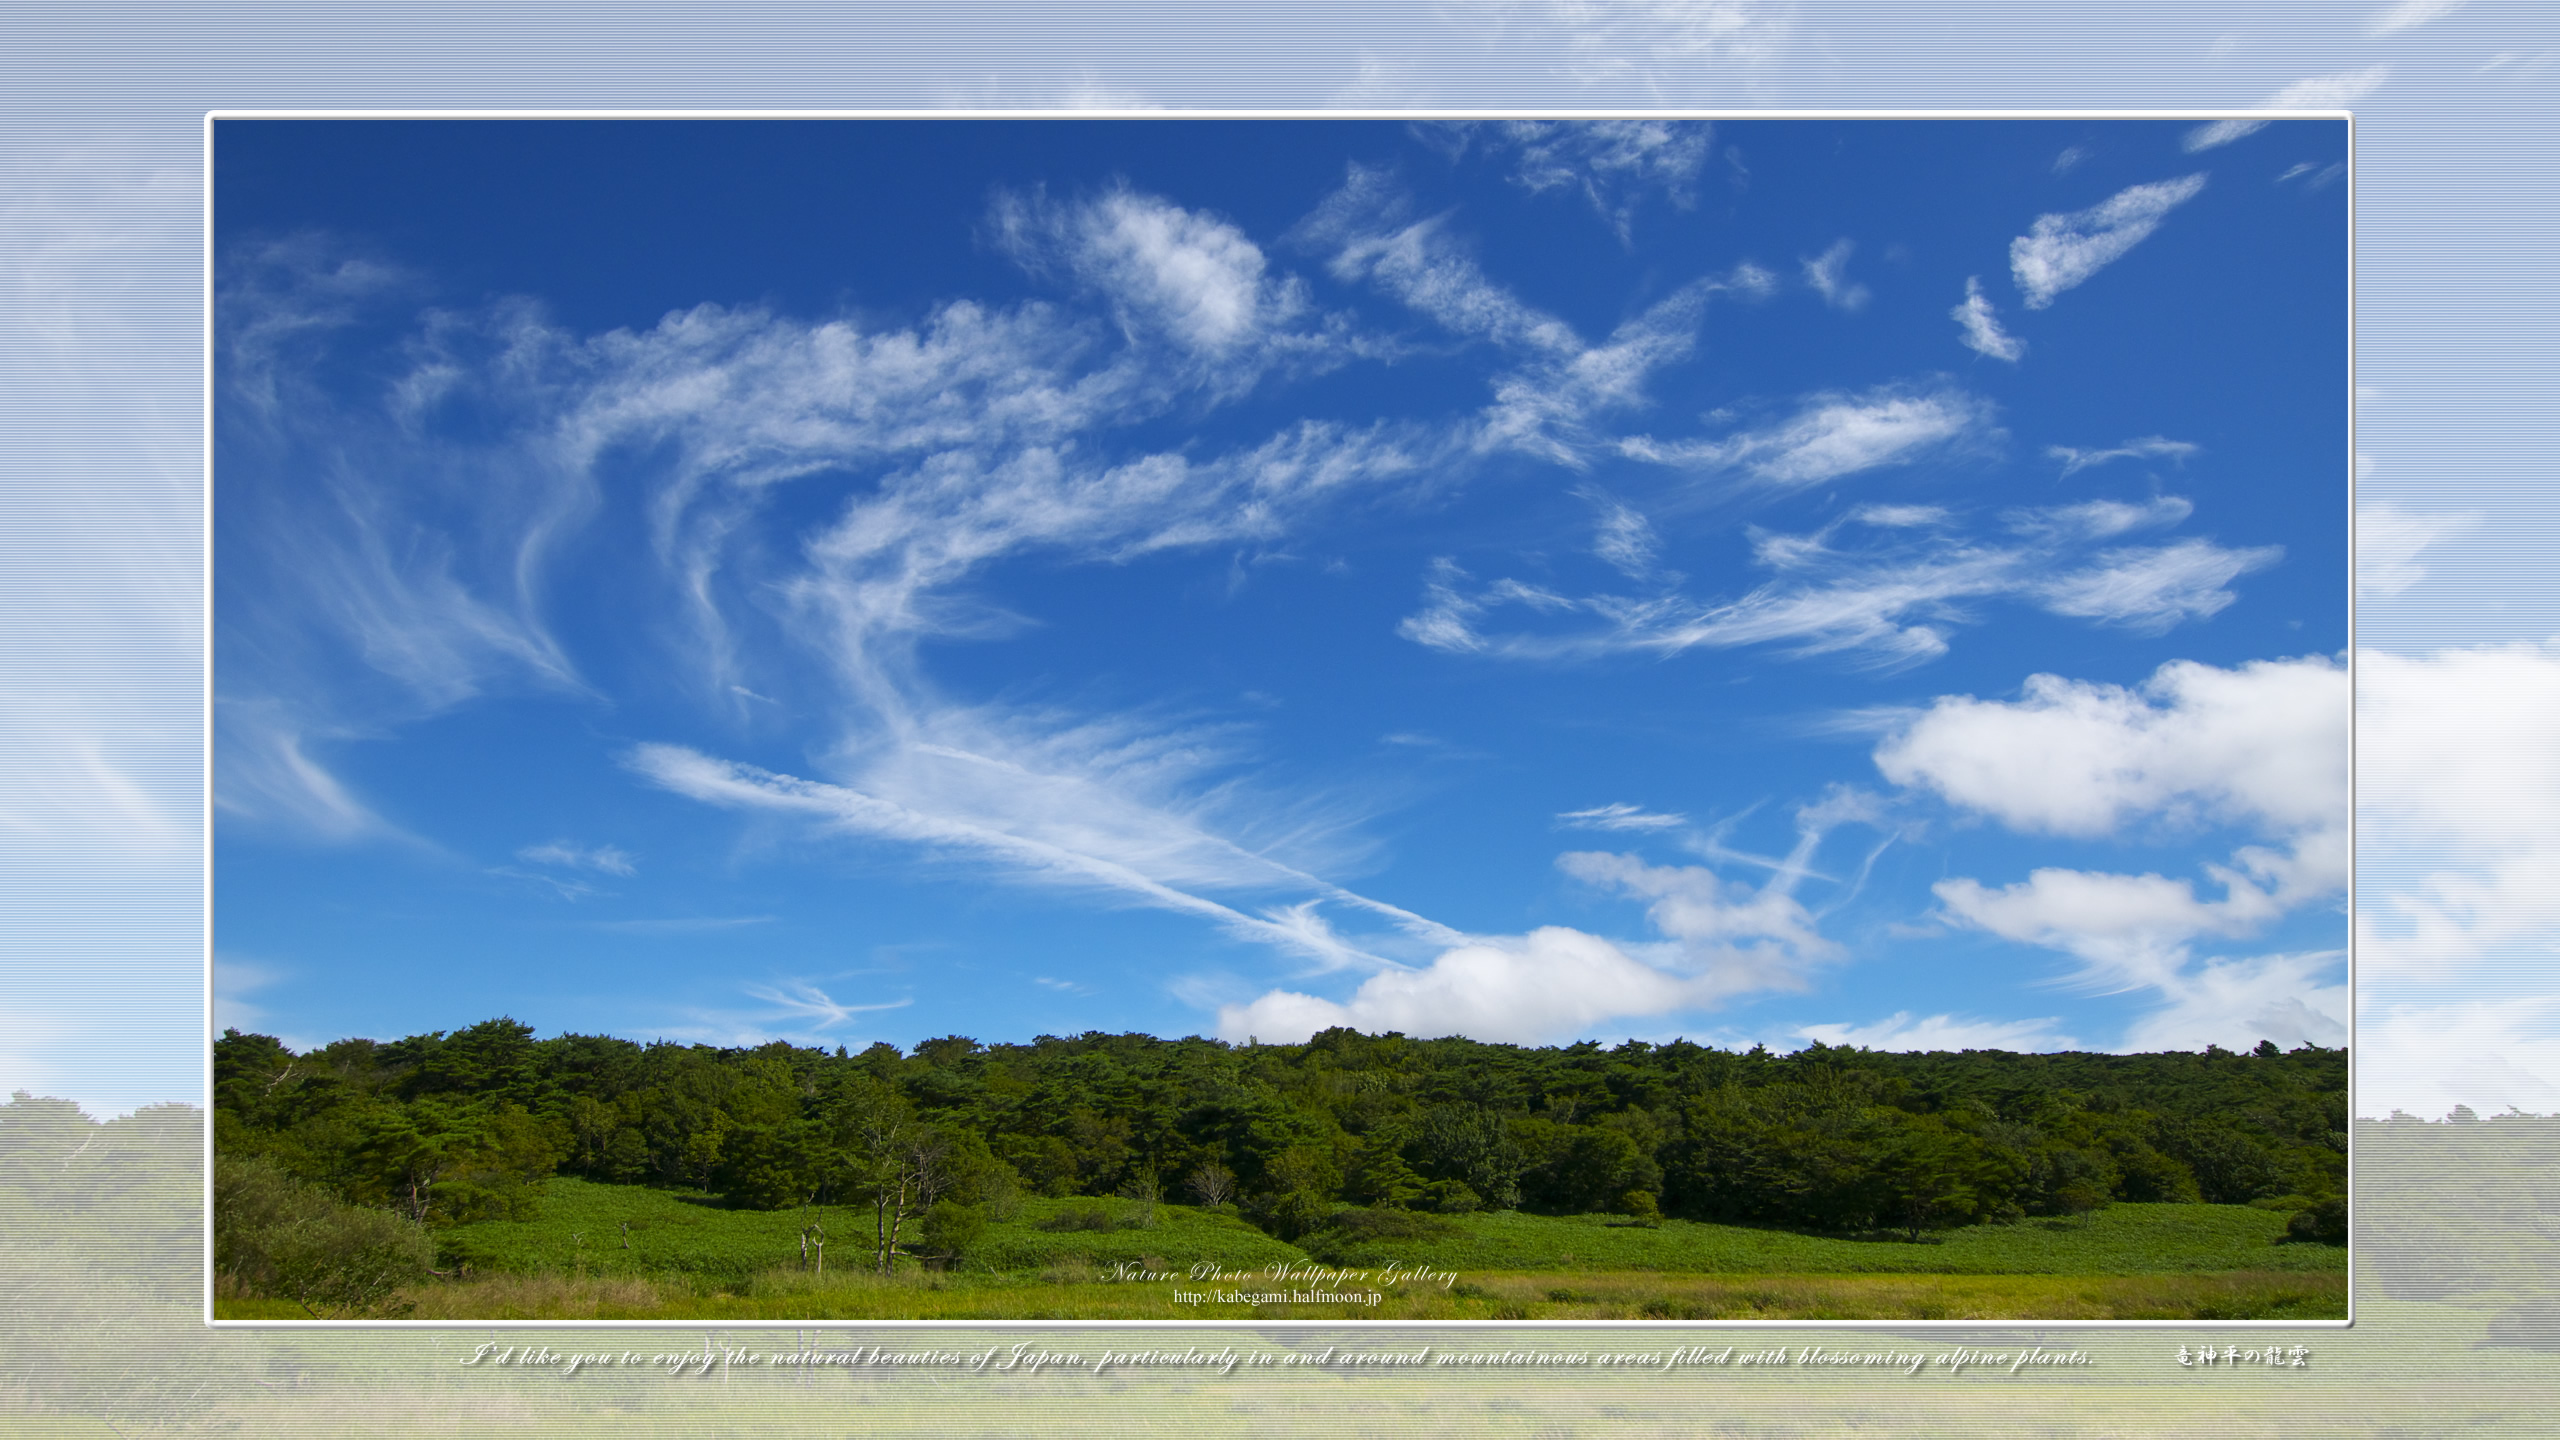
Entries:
{"x":444,"y":1127}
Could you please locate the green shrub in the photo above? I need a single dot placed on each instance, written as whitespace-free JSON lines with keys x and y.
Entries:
{"x":948,"y":1230}
{"x":277,"y":1237}
{"x":2322,"y":1224}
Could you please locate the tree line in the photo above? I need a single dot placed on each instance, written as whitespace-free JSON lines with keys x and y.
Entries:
{"x":442,"y":1128}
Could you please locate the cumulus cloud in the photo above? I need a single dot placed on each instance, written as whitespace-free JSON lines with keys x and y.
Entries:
{"x":2458,"y":910}
{"x":1902,"y":1031}
{"x":2318,"y":92}
{"x":1548,"y":985}
{"x":2061,"y":251}
{"x":2389,"y":541}
{"x":2426,"y":1055}
{"x":2263,"y":744}
{"x":1719,"y":939}
{"x":2235,"y":1003}
{"x":1741,"y":937}
{"x":2458,"y":778}
{"x":1834,"y":435}
{"x":1980,"y":325}
{"x":2261,"y":748}
{"x":2135,"y":931}
{"x":1828,"y":274}
{"x":2149,"y":447}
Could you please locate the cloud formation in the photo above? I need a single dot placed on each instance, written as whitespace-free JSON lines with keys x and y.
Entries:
{"x":603,"y":859}
{"x":1833,"y":435}
{"x":2389,"y":541}
{"x":2409,"y":15}
{"x":1620,"y":816}
{"x":2062,"y":251}
{"x":1059,"y":828}
{"x":2458,"y":776}
{"x":2261,"y":748}
{"x":2263,"y":744}
{"x":1191,"y":277}
{"x":1614,"y":164}
{"x":1548,"y":985}
{"x":1980,"y":325}
{"x":1828,"y":274}
{"x":1902,"y":1031}
{"x":2318,"y":92}
{"x":1885,"y":584}
{"x":2149,"y":447}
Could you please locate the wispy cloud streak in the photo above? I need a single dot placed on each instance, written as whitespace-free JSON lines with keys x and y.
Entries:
{"x":2059,"y":252}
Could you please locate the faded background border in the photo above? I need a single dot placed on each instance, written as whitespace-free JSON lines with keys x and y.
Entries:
{"x":2459,"y":704}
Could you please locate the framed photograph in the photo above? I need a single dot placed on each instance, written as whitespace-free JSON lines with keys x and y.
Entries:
{"x":1636,"y":719}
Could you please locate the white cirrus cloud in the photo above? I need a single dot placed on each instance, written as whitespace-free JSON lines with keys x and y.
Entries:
{"x":2149,"y":447}
{"x":2102,"y":519}
{"x":1828,"y":274}
{"x":603,"y":859}
{"x":1368,"y":234}
{"x":1979,"y":325}
{"x":2409,"y":15}
{"x":1611,"y":163}
{"x":1097,"y":808}
{"x":1641,"y":46}
{"x":2152,"y":590}
{"x":1836,"y":434}
{"x":1891,"y":598}
{"x":2063,"y":250}
{"x":2389,"y":541}
{"x":2318,"y":92}
{"x":1192,"y":276}
{"x":1546,"y":406}
{"x":1625,"y":538}
{"x":1620,"y":816}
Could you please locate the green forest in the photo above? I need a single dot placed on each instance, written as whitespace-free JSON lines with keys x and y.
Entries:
{"x":400,"y":1151}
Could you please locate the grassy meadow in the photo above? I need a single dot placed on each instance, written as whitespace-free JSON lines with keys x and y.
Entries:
{"x":686,"y":1256}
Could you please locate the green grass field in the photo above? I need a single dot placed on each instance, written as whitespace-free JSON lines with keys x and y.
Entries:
{"x":2120,"y":1240}
{"x":688,"y":1257}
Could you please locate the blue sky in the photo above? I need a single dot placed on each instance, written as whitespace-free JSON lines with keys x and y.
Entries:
{"x":1880,"y":582}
